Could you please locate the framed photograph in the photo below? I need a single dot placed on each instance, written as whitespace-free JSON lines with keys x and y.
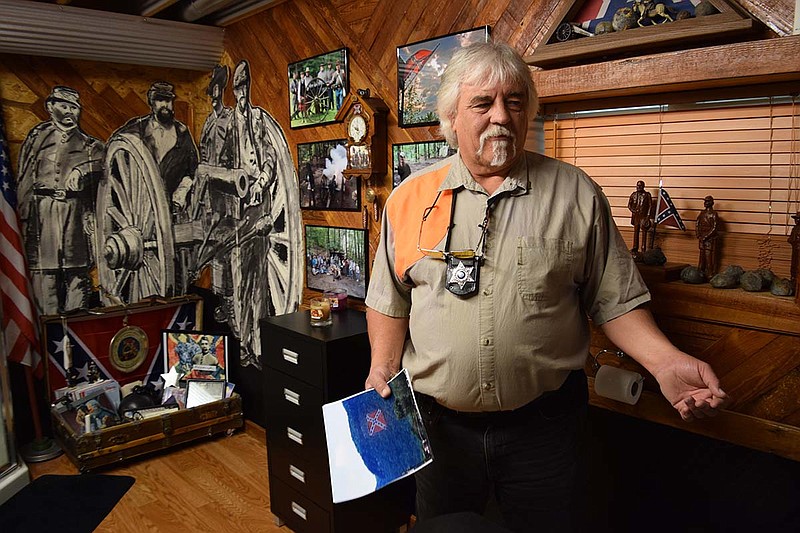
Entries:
{"x":336,"y":258}
{"x":323,"y":186}
{"x":317,"y":87}
{"x":195,"y":354}
{"x":408,"y":158}
{"x":203,"y":391}
{"x":419,"y":67}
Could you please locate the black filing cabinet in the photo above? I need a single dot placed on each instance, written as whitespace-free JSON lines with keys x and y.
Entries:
{"x":305,"y":367}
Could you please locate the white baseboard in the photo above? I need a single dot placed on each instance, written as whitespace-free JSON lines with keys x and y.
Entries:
{"x":14,"y":481}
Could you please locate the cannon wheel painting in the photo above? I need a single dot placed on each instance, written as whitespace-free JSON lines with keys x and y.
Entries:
{"x":135,"y":245}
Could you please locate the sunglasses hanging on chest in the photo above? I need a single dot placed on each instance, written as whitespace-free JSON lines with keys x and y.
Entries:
{"x":463,"y":267}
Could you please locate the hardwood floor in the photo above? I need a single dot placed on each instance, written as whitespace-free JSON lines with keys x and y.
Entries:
{"x":216,"y":484}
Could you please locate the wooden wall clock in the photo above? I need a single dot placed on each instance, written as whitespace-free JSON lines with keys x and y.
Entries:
{"x":364,"y":118}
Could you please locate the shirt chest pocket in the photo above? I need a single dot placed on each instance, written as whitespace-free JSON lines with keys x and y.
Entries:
{"x":544,"y":267}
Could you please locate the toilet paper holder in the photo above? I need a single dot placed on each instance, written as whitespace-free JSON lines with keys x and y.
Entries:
{"x":619,"y":353}
{"x":616,"y":383}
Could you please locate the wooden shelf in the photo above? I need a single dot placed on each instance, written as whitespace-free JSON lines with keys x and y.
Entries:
{"x":681,"y":32}
{"x":751,"y":340}
{"x":734,"y":307}
{"x":729,"y":65}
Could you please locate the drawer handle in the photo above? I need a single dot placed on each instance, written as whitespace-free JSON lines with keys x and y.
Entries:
{"x":294,"y":435}
{"x":298,"y":510}
{"x":290,"y":356}
{"x":296,"y":473}
{"x":291,"y":396}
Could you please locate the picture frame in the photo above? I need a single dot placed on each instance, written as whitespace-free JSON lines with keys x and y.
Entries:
{"x":337,"y":258}
{"x":187,"y":352}
{"x":419,"y":68}
{"x":203,"y":391}
{"x":315,"y":95}
{"x":320,"y":175}
{"x":416,"y":156}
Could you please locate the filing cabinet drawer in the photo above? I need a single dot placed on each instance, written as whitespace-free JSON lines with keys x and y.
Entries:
{"x":298,"y":357}
{"x":303,"y":475}
{"x":300,"y":513}
{"x":291,"y":398}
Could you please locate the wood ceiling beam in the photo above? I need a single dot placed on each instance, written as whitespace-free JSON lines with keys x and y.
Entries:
{"x":728,"y":65}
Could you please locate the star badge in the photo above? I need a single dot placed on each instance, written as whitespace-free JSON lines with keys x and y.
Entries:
{"x":461,"y":275}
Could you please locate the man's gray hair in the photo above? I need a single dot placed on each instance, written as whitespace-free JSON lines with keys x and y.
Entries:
{"x":485,"y":64}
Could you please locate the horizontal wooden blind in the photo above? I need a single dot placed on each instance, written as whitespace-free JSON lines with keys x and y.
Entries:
{"x":744,"y":154}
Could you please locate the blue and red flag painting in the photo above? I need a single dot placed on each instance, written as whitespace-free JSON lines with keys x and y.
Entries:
{"x":373,"y":441}
{"x":595,"y":11}
{"x":90,"y":339}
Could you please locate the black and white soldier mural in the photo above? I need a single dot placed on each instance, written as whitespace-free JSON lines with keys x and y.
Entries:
{"x":254,"y":237}
{"x":59,"y":167}
{"x":169,"y":142}
{"x":167,"y":215}
{"x":212,"y":137}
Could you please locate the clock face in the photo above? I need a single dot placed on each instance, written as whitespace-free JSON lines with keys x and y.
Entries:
{"x":357,"y":128}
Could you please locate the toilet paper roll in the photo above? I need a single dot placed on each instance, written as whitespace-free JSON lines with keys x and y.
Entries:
{"x":618,"y":384}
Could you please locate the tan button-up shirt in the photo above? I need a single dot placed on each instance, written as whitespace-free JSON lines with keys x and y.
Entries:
{"x":552,"y":258}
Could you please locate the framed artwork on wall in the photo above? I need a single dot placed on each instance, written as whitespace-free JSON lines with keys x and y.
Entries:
{"x":317,"y":87}
{"x":195,"y":354}
{"x":323,"y":184}
{"x":408,"y":158}
{"x":337,"y":258}
{"x":419,"y":68}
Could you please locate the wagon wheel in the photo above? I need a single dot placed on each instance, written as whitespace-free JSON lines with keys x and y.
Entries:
{"x":285,"y":256}
{"x":135,"y":246}
{"x":317,"y":100}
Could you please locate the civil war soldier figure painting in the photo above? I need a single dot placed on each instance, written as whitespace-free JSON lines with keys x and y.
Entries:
{"x":59,"y":168}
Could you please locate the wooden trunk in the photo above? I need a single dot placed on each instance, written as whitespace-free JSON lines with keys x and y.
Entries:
{"x":132,"y":439}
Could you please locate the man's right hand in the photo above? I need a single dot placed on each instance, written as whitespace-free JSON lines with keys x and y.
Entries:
{"x":378,"y":379}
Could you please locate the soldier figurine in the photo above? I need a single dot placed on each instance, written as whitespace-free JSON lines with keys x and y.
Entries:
{"x":639,"y":205}
{"x":706,"y":231}
{"x":794,"y":240}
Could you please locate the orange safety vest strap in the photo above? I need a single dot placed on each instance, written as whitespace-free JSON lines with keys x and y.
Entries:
{"x":405,"y":216}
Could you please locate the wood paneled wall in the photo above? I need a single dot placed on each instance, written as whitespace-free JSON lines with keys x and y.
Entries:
{"x":371,"y":30}
{"x":110,"y":94}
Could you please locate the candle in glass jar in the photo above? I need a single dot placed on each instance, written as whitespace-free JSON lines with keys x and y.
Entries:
{"x":320,"y":311}
{"x":338,"y":299}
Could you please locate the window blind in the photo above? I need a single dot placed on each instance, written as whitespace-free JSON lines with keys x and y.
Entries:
{"x":742,"y":152}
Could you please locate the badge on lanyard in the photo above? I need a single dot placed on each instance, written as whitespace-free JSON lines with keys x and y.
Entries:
{"x":461,"y":275}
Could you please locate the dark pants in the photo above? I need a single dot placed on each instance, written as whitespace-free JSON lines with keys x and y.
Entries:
{"x":528,"y":458}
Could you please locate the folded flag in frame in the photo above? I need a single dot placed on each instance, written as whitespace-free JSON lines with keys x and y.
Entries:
{"x":595,"y":11}
{"x":90,"y":337}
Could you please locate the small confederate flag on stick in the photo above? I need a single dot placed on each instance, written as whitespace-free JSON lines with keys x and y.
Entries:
{"x":666,"y":214}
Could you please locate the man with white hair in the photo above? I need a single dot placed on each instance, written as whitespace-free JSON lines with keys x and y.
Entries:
{"x":494,"y":259}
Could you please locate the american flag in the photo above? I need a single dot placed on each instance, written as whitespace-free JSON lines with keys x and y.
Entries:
{"x":19,"y":316}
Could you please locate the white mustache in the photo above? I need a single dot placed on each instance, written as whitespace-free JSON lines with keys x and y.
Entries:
{"x":497,"y":131}
{"x":500,"y":152}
